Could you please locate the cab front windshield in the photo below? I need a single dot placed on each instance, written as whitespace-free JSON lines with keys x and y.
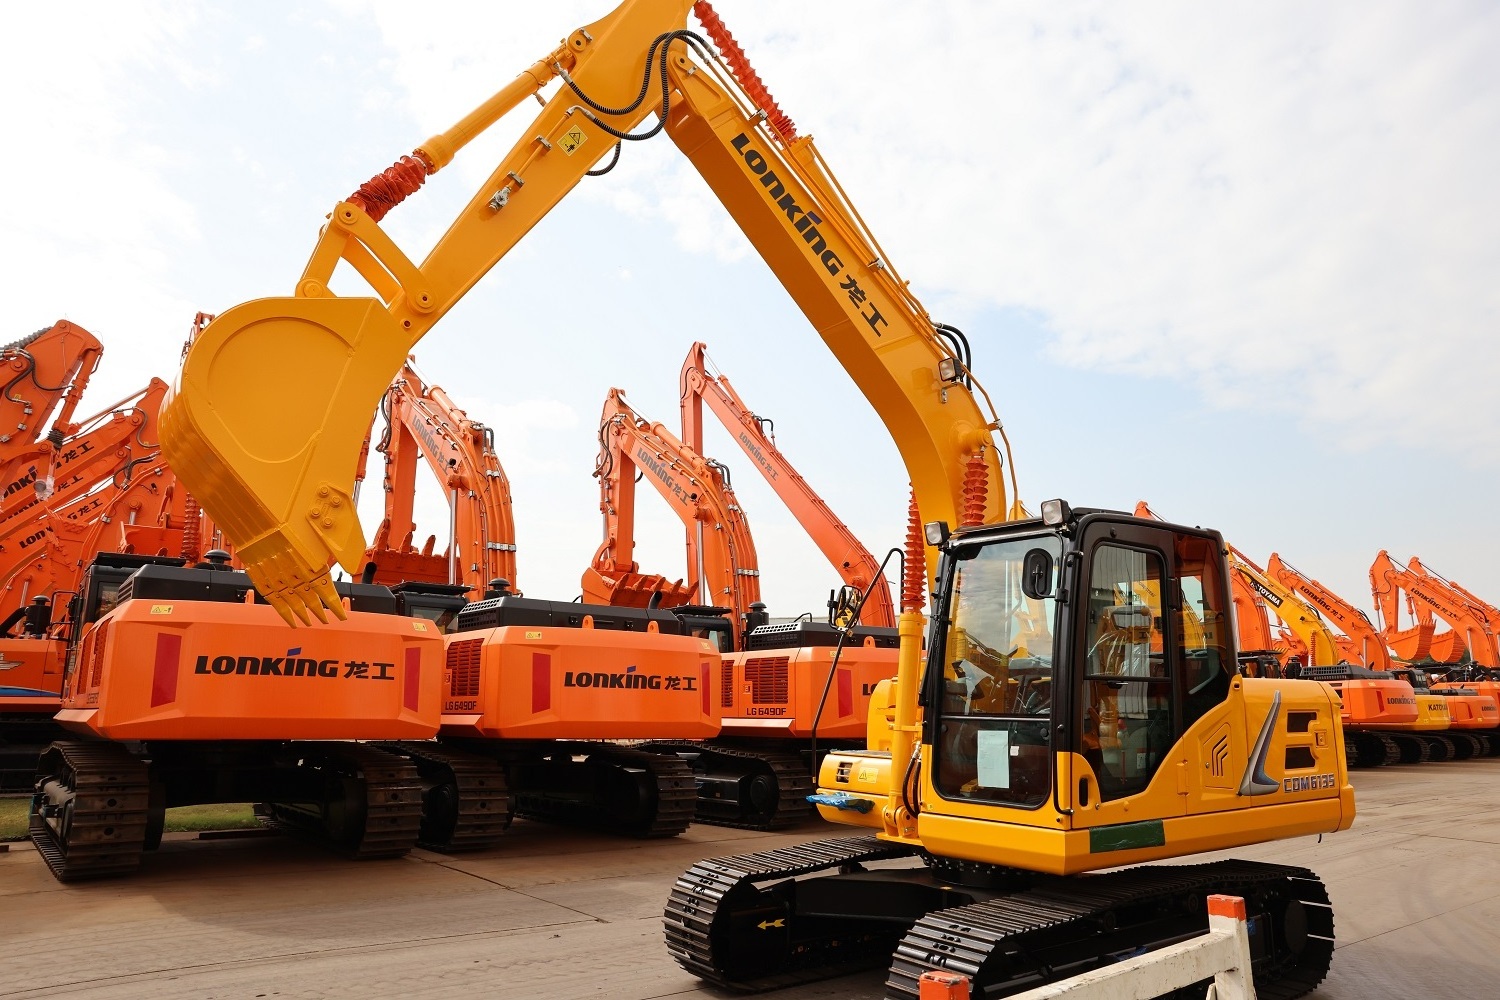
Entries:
{"x":997,"y":675}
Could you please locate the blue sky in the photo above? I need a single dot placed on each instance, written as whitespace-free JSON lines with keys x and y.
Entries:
{"x":1236,"y":262}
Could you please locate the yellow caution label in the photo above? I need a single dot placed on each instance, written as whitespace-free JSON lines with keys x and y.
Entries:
{"x":533,"y":635}
{"x":865,"y":774}
{"x":419,"y":626}
{"x":161,"y":609}
{"x":572,"y":139}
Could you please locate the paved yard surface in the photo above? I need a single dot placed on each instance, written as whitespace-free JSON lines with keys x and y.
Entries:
{"x":557,"y":914}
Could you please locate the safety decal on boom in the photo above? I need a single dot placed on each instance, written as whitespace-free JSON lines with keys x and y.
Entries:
{"x":572,"y":139}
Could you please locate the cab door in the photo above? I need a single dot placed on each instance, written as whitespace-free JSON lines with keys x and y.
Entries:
{"x":1126,"y":677}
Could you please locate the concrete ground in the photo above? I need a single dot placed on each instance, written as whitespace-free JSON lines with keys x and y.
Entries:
{"x":553,"y":913}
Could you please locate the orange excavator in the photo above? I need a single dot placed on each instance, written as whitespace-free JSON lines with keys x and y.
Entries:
{"x":1429,"y":598}
{"x":1383,"y":715}
{"x":987,"y":801}
{"x":1360,"y":642}
{"x":777,"y":679}
{"x":185,"y":689}
{"x":422,"y":419}
{"x":49,"y":369}
{"x":792,"y":685}
{"x":722,"y":567}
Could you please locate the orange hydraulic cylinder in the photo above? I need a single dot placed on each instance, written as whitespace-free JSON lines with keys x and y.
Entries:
{"x":775,"y":692}
{"x":552,"y":682}
{"x":196,"y":670}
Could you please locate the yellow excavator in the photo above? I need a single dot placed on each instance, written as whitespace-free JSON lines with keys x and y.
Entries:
{"x":1007,"y":768}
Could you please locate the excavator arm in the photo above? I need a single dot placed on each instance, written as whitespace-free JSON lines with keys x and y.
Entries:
{"x":460,"y":452}
{"x":1365,"y":643}
{"x":51,"y":365}
{"x":722,"y":567}
{"x":1300,"y":618}
{"x":107,"y":445}
{"x":853,"y":562}
{"x":1430,"y":595}
{"x":281,"y":487}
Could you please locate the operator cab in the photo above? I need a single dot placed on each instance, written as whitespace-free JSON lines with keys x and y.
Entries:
{"x":436,"y":602}
{"x":709,"y":622}
{"x":1092,"y":632}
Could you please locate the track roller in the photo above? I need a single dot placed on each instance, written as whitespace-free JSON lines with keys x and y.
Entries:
{"x":89,"y":810}
{"x":742,"y":786}
{"x":1439,"y":747}
{"x":371,"y":806}
{"x":1464,"y":746}
{"x":614,"y":788}
{"x":465,"y":804}
{"x":1413,"y":749}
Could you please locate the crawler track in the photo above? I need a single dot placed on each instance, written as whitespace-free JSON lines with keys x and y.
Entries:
{"x":371,"y":807}
{"x":615,"y":788}
{"x":717,"y":900}
{"x":771,"y":786}
{"x":89,"y":810}
{"x":1367,"y":749}
{"x":736,"y":922}
{"x":1064,"y":926}
{"x":1413,"y":749}
{"x":465,"y":803}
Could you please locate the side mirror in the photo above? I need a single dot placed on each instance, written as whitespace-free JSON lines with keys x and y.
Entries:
{"x":1036,"y":574}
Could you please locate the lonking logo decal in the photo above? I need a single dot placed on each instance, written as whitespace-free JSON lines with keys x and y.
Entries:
{"x":1256,"y":781}
{"x":806,"y":222}
{"x":755,"y":452}
{"x":630,"y":680}
{"x":645,"y":459}
{"x":293,"y":665}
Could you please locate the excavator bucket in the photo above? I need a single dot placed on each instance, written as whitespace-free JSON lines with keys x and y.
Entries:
{"x":264,"y":427}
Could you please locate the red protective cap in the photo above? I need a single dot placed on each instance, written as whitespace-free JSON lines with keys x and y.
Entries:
{"x":1226,"y":906}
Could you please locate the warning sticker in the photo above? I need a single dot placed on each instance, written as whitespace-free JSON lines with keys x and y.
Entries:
{"x":533,"y":635}
{"x":419,"y":626}
{"x":161,"y":609}
{"x":572,"y":139}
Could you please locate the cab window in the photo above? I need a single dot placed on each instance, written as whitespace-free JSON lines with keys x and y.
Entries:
{"x":1127,"y":687}
{"x":1205,"y":657}
{"x":992,"y":738}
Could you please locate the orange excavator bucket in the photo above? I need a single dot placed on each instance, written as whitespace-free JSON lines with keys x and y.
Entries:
{"x":264,"y":426}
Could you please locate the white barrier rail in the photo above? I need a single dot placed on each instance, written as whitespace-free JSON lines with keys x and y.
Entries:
{"x":1223,"y":955}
